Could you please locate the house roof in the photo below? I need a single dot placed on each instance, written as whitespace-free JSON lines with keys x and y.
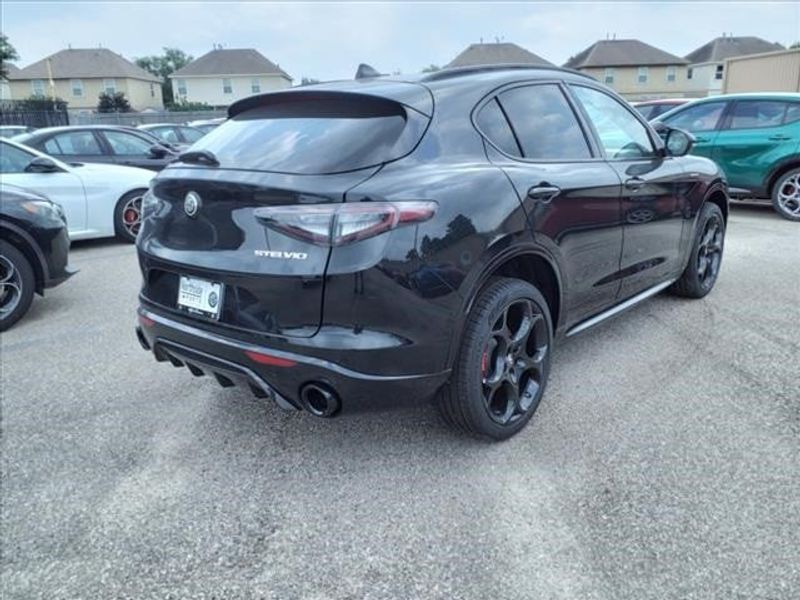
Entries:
{"x":622,"y":53}
{"x":496,"y":54}
{"x":10,"y":68}
{"x":721,"y":48}
{"x":83,"y":63}
{"x":231,"y":61}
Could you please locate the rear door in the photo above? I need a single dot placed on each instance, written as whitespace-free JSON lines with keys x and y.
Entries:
{"x":755,"y":136}
{"x":571,"y":195}
{"x":701,"y":120}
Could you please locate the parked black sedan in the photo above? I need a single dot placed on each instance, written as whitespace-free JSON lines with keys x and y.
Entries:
{"x":181,"y":136}
{"x":100,"y":144}
{"x":34,"y":248}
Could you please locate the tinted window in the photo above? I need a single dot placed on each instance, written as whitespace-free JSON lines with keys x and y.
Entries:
{"x":492,"y":122}
{"x":325,"y":133}
{"x":191,"y":135}
{"x":751,"y":114}
{"x":621,"y":134}
{"x":50,"y":146}
{"x":544,"y":123}
{"x":166,"y":134}
{"x":127,"y":144}
{"x":701,"y":117}
{"x":75,"y":143}
{"x":792,"y":113}
{"x":13,"y":160}
{"x":648,"y":111}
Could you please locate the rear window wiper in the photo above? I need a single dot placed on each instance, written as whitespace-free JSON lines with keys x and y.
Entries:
{"x":200,"y":157}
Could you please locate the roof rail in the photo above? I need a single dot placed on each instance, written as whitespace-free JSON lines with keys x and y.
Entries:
{"x":451,"y":72}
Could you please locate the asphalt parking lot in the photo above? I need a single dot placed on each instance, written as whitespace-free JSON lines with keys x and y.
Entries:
{"x":663,"y":463}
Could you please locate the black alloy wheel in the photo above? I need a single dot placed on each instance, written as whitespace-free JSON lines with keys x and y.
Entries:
{"x":700,"y":274}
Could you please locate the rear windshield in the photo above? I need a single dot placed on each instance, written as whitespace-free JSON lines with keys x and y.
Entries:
{"x":316,"y":135}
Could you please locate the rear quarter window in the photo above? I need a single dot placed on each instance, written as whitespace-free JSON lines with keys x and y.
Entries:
{"x":493,"y":124}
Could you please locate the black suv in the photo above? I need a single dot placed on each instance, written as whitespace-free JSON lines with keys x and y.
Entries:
{"x":360,"y":244}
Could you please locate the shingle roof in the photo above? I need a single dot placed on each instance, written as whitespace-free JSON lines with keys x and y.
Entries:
{"x":496,"y":54}
{"x":83,"y":62}
{"x":10,"y":68}
{"x":231,"y":61}
{"x":622,"y":53}
{"x":721,"y":48}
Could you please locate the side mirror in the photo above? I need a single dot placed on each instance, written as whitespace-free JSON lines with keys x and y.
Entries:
{"x":157,"y":151}
{"x":41,"y":164}
{"x":678,"y":142}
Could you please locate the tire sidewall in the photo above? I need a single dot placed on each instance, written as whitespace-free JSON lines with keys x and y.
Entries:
{"x":776,"y":189}
{"x":23,"y":266}
{"x":709,"y":211}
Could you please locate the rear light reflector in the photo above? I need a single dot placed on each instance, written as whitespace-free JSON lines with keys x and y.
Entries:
{"x":340,"y":224}
{"x":146,"y":321}
{"x":267,"y":359}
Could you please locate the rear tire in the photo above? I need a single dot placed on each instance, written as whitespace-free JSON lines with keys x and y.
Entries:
{"x":503,"y":362}
{"x":128,"y":216}
{"x":786,"y":195}
{"x":17,"y":284}
{"x":700,"y":274}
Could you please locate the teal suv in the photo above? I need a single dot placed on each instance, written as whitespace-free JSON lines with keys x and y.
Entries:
{"x":754,"y":138}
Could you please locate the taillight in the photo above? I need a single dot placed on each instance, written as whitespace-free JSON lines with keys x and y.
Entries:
{"x":339,"y":224}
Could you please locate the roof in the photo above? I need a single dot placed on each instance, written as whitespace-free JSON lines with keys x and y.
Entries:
{"x":496,"y":54}
{"x":230,"y":61}
{"x":10,"y":68}
{"x":83,"y":63}
{"x":721,"y":48}
{"x":622,"y":53}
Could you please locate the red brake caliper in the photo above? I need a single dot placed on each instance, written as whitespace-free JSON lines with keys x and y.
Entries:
{"x":484,"y":363}
{"x":130,"y":216}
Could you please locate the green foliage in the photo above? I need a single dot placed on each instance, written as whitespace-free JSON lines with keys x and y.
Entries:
{"x":7,"y":53}
{"x":795,"y":45}
{"x":189,"y":106}
{"x":41,"y":104}
{"x":431,"y":69}
{"x":308,"y":81}
{"x":113,"y":103}
{"x":163,"y":66}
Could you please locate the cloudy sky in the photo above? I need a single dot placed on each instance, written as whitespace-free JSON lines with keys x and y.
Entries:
{"x":328,"y":40}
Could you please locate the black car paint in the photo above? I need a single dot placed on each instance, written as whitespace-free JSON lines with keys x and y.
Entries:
{"x":43,"y":239}
{"x":389,"y":310}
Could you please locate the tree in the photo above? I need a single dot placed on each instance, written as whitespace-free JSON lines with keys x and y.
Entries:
{"x":163,"y":66}
{"x":795,"y":45}
{"x":308,"y":81}
{"x":431,"y":69}
{"x":7,"y":53}
{"x":184,"y":106}
{"x":116,"y":102}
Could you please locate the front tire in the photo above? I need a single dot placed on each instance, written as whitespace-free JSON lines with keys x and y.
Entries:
{"x":17,"y":284}
{"x":700,"y":275}
{"x":128,"y":216}
{"x":786,"y":195}
{"x":503,"y":362}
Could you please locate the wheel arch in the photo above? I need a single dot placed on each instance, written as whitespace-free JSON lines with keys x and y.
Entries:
{"x":23,"y":242}
{"x":778,"y":171}
{"x":717,"y":195}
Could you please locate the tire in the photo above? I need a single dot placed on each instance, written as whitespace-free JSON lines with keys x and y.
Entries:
{"x":17,"y":283}
{"x":786,"y":195}
{"x":128,"y":216}
{"x":702,"y":270}
{"x":500,"y":373}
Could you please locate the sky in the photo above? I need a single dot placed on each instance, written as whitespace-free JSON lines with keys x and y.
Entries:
{"x":329,"y":40}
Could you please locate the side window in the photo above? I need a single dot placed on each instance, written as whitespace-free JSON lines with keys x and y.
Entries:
{"x":621,"y":134}
{"x":167,"y":134}
{"x":126,"y":144}
{"x":493,"y":124}
{"x":77,"y":143}
{"x":191,"y":135}
{"x":792,"y":113}
{"x":51,"y":147}
{"x":13,"y":160}
{"x":752,"y":114}
{"x":544,"y":123}
{"x":703,"y":117}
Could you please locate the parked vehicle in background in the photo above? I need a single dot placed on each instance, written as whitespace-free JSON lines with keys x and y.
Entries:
{"x":755,"y":138}
{"x":34,"y":249}
{"x":474,"y":217}
{"x":180,"y":136}
{"x":650,"y":109}
{"x":100,"y":144}
{"x":8,"y":131}
{"x":98,"y":200}
{"x":206,"y":125}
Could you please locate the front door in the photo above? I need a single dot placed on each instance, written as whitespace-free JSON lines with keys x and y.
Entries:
{"x":702,"y":121}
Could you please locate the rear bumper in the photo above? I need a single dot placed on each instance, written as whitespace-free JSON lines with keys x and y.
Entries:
{"x":279,"y":374}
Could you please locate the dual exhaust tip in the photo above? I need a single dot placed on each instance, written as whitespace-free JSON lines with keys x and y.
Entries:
{"x":319,"y":399}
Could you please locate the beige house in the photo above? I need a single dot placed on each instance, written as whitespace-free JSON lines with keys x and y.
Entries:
{"x":770,"y":72}
{"x":635,"y":70}
{"x":500,"y":53}
{"x":225,"y":75}
{"x":80,"y":75}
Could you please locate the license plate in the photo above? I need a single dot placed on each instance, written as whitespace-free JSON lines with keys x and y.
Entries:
{"x":200,"y":296}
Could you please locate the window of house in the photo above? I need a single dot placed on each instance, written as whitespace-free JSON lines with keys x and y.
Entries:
{"x":77,"y":87}
{"x":643,"y":73}
{"x":609,"y":76}
{"x":689,"y":73}
{"x":720,"y":70}
{"x":110,"y":86}
{"x":152,"y":91}
{"x":255,"y":86}
{"x":672,"y":73}
{"x":181,"y":87}
{"x":37,"y":87}
{"x":227,"y":86}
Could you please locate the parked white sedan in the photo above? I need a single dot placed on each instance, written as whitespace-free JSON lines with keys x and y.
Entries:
{"x":98,"y":200}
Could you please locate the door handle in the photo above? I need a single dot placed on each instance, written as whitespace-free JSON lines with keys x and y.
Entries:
{"x":634,"y":183}
{"x":779,"y":138}
{"x":544,"y":192}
